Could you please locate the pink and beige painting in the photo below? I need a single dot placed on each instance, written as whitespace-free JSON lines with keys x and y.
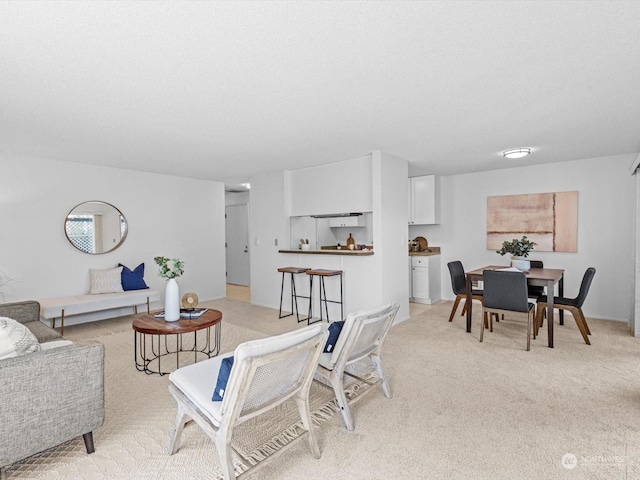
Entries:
{"x":549,"y":219}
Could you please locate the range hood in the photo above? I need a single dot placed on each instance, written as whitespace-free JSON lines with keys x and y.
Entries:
{"x":335,"y":215}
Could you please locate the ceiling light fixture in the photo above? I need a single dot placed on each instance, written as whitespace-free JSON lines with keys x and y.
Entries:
{"x":516,"y":153}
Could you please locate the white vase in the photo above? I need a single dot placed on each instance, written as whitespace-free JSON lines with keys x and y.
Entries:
{"x":172,"y":301}
{"x":520,"y":263}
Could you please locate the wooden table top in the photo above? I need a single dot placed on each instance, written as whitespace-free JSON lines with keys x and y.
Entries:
{"x":553,"y":274}
{"x":159,"y":326}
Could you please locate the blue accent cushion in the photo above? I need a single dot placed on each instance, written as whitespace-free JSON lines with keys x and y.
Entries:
{"x":133,"y":279}
{"x":223,"y":378}
{"x":334,"y":332}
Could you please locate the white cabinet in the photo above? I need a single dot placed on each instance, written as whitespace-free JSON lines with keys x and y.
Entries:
{"x":424,"y":200}
{"x":353,"y":221}
{"x":425,"y":279}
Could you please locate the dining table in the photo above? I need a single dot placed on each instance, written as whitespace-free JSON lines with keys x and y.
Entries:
{"x":544,"y":277}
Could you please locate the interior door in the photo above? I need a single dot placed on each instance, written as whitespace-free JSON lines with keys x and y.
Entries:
{"x":237,"y":242}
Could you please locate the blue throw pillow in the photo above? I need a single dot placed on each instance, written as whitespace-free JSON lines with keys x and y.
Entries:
{"x":132,"y":280}
{"x":223,"y":378}
{"x":334,"y":332}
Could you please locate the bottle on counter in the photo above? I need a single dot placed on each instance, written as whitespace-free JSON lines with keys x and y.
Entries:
{"x":351,"y":243}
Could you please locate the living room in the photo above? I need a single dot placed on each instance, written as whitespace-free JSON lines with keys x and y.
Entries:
{"x":171,"y":185}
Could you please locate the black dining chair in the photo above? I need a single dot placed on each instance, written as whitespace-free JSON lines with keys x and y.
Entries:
{"x":535,"y":290}
{"x":505,"y":293}
{"x":459,"y":286}
{"x":574,"y":305}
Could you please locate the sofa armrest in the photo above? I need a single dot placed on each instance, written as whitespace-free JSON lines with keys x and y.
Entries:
{"x":27,"y":311}
{"x":50,"y":397}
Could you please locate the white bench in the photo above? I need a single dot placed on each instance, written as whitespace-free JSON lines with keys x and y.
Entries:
{"x":53,"y":308}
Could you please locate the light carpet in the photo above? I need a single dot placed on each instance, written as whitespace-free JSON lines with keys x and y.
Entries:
{"x":140,"y":413}
{"x":460,"y":410}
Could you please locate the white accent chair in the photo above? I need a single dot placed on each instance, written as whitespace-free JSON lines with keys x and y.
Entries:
{"x":361,"y":337}
{"x":265,"y":373}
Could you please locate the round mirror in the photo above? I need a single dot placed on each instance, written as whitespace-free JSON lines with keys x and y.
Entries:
{"x":95,"y":227}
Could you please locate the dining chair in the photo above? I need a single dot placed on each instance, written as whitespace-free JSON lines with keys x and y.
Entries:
{"x":574,"y":305}
{"x":459,"y":286}
{"x":536,"y":290}
{"x":505,"y":293}
{"x":262,"y":375}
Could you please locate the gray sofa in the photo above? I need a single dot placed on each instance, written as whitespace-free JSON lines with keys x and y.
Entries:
{"x":51,"y":396}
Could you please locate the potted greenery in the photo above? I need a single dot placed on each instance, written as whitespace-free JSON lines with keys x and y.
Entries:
{"x":518,"y":249}
{"x":170,"y":269}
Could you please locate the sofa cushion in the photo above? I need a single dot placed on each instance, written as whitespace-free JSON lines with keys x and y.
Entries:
{"x":16,"y":339}
{"x":42,"y":332}
{"x":106,"y":281}
{"x":133,"y":279}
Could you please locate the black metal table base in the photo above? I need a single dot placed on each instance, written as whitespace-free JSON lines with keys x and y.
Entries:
{"x":150,"y":349}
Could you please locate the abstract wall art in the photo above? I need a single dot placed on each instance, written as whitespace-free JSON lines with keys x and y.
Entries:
{"x":549,"y":219}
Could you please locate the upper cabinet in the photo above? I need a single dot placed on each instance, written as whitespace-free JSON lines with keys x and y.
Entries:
{"x":424,"y":200}
{"x":353,"y":221}
{"x":340,"y":187}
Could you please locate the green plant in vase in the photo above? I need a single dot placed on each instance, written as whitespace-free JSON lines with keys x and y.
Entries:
{"x":519,"y":249}
{"x":170,"y":268}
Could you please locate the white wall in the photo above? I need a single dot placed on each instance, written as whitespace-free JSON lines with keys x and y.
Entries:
{"x":167,"y":216}
{"x":606,"y":236}
{"x":391,"y":217}
{"x":267,"y":222}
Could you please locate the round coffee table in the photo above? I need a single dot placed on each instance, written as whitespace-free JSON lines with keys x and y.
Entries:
{"x":153,"y":342}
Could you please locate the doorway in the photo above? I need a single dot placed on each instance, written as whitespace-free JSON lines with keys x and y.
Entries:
{"x":237,"y":244}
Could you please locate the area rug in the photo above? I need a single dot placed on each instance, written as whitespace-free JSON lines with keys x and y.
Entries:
{"x":140,"y":413}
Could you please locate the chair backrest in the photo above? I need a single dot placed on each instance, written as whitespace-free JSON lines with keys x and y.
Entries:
{"x":363,"y":333}
{"x":536,"y":263}
{"x":584,"y":286}
{"x":269,"y":371}
{"x":458,"y":282}
{"x":505,"y":290}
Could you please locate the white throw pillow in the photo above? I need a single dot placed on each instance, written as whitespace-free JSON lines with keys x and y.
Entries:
{"x":106,"y":281}
{"x":16,"y":339}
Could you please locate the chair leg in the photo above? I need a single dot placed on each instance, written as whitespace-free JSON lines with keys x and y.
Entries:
{"x":225,"y":454}
{"x":181,"y":420}
{"x":529,"y":315}
{"x":464,"y":308}
{"x":385,"y":385}
{"x":482,"y":326}
{"x":584,"y":321}
{"x":307,"y":423}
{"x":341,"y":399}
{"x":581,"y":326}
{"x":455,"y":307}
{"x":88,"y":442}
{"x":540,"y":309}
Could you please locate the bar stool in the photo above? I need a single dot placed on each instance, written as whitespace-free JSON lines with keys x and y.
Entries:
{"x":323,"y":292}
{"x":294,"y":296}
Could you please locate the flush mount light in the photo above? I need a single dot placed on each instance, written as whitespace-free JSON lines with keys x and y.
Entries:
{"x":516,"y":153}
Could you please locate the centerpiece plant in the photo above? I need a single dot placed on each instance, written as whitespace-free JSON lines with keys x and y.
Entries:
{"x":519,"y":249}
{"x":170,"y":268}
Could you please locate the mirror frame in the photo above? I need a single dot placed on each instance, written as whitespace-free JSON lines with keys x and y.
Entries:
{"x":121,"y":219}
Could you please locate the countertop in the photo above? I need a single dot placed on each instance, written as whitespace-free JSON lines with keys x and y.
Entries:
{"x":427,"y":253}
{"x":357,"y":253}
{"x":333,"y":250}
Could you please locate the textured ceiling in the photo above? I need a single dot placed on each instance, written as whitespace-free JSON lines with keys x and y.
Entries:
{"x":225,"y":90}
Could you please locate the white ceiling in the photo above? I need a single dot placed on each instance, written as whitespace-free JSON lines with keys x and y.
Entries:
{"x":225,"y":90}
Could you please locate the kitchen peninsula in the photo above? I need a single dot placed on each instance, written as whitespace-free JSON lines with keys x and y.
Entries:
{"x":332,"y":251}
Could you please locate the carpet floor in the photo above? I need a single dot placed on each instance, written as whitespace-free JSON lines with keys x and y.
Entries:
{"x":461,"y":409}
